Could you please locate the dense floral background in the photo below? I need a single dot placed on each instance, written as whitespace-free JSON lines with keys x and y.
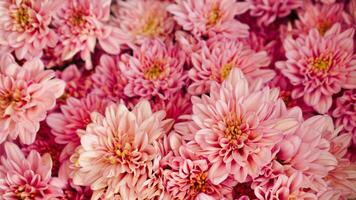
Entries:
{"x":177,"y":99}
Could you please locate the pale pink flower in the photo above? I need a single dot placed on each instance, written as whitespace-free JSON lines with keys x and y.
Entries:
{"x":26,"y":177}
{"x":108,"y":80}
{"x":234,"y":121}
{"x":284,"y":188}
{"x":80,"y":24}
{"x":215,"y":60}
{"x":268,"y":11}
{"x":70,"y":122}
{"x":321,"y":17}
{"x":24,"y":26}
{"x":155,"y":69}
{"x":119,"y":148}
{"x":27,"y":92}
{"x":345,"y":112}
{"x":308,"y":152}
{"x":140,"y":20}
{"x":320,"y":66}
{"x":208,"y":18}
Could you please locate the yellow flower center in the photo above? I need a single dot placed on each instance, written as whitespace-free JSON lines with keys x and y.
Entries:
{"x":9,"y":100}
{"x":214,"y":15}
{"x":151,"y":27}
{"x":322,"y":63}
{"x":198,"y":183}
{"x":154,"y":72}
{"x":22,"y":17}
{"x":77,"y":19}
{"x":24,"y":193}
{"x":120,"y":153}
{"x":234,"y":131}
{"x":226,"y":69}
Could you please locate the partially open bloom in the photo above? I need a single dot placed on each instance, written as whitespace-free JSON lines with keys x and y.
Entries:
{"x":155,"y":69}
{"x":25,"y":26}
{"x":80,"y":24}
{"x":26,"y":177}
{"x":239,"y":126}
{"x":320,"y":66}
{"x":139,"y":20}
{"x":70,"y":123}
{"x":210,"y":17}
{"x":215,"y":60}
{"x":345,"y":112}
{"x":27,"y":92}
{"x":119,"y":148}
{"x":268,"y":11}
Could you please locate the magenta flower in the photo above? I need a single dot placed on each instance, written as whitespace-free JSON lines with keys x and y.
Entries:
{"x":80,"y":24}
{"x":119,"y":149}
{"x":268,"y":11}
{"x":155,"y":69}
{"x":215,"y":60}
{"x":234,"y":121}
{"x":70,"y":123}
{"x":140,"y":20}
{"x":26,"y":177}
{"x":27,"y":92}
{"x":25,"y":26}
{"x":320,"y":66}
{"x":210,"y":17}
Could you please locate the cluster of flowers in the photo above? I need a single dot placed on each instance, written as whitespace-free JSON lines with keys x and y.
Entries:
{"x":184,"y":99}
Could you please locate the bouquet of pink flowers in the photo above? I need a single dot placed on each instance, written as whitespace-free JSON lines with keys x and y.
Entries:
{"x":177,"y":100}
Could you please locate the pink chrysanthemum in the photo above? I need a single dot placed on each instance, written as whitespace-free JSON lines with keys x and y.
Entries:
{"x":78,"y":83}
{"x":108,"y":80}
{"x":319,"y":66}
{"x":26,"y":94}
{"x":345,"y":112}
{"x":215,"y":60}
{"x":70,"y":123}
{"x":26,"y":177}
{"x":268,"y":11}
{"x":24,"y":26}
{"x":307,"y":151}
{"x":207,"y":18}
{"x":119,"y":149}
{"x":80,"y":24}
{"x":155,"y":69}
{"x":143,"y":19}
{"x":238,"y":127}
{"x":321,"y":17}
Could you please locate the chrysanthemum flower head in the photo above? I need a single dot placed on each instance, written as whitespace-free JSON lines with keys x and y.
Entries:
{"x":208,"y":18}
{"x":140,"y":20}
{"x":215,"y":60}
{"x":238,"y":127}
{"x":27,"y":92}
{"x":119,"y":147}
{"x":80,"y":24}
{"x":25,"y":26}
{"x":155,"y":69}
{"x":26,"y":177}
{"x":108,"y":80}
{"x":320,"y":66}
